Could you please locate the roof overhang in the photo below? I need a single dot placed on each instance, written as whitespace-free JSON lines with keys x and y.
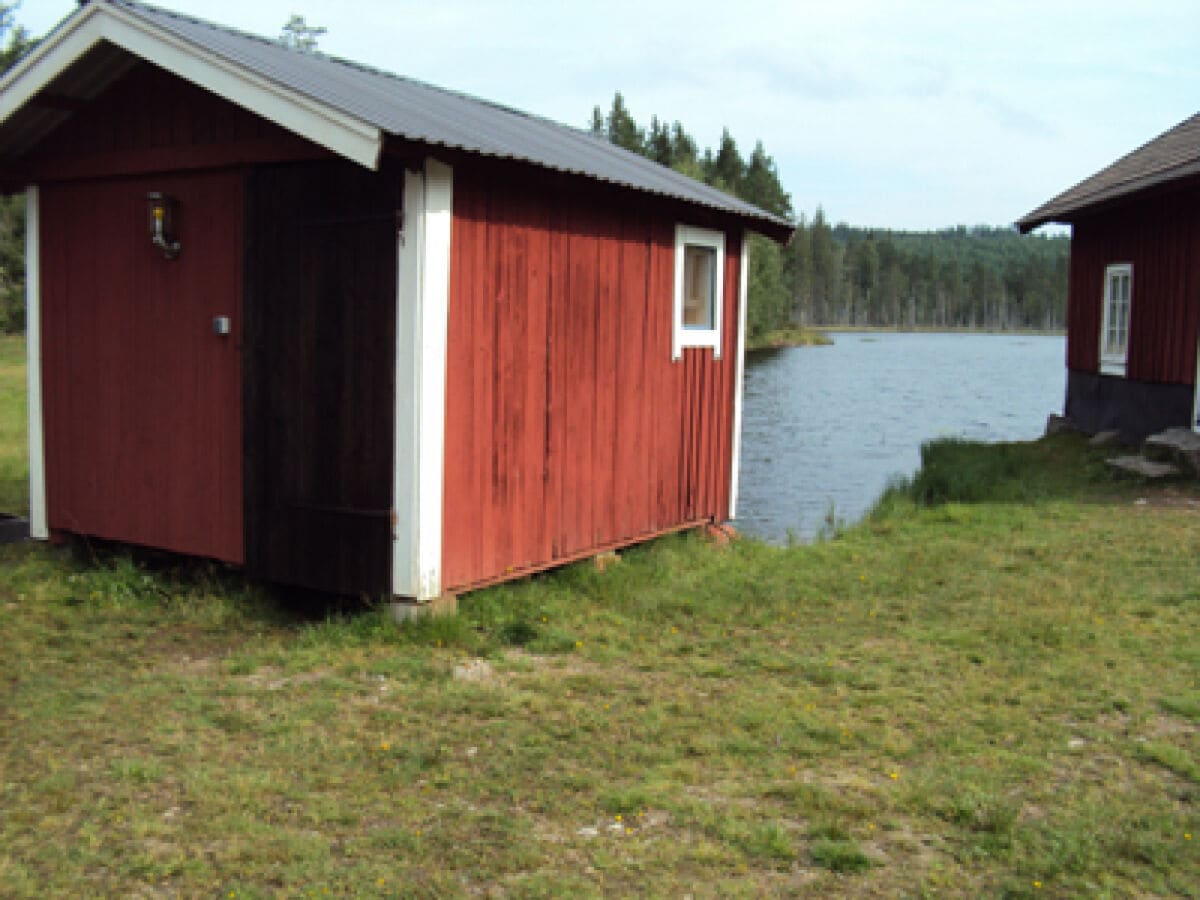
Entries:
{"x":1070,"y":205}
{"x":96,"y":24}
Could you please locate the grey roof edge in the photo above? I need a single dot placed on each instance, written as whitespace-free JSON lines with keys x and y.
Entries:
{"x":1056,"y":211}
{"x":1079,"y":197}
{"x":690,"y":190}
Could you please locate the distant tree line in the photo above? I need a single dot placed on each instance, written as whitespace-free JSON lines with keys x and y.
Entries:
{"x":827,"y":275}
{"x":755,"y":180}
{"x":959,"y":277}
{"x":14,"y":43}
{"x":979,"y":277}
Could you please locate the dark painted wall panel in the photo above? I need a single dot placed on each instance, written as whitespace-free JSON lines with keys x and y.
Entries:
{"x":320,"y":375}
{"x":1135,"y":408}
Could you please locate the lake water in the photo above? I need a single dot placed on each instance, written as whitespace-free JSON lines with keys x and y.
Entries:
{"x":826,"y":427}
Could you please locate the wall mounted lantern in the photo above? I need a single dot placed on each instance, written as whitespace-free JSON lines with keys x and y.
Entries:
{"x":162,"y":223}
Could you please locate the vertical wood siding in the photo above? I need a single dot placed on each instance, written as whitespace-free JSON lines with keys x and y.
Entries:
{"x":141,"y":400}
{"x":320,"y":373}
{"x":151,"y":120}
{"x":1160,"y":235}
{"x":568,"y":426}
{"x":143,"y":403}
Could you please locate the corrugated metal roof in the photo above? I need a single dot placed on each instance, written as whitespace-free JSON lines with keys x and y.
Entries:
{"x":1173,"y":155}
{"x":421,"y":112}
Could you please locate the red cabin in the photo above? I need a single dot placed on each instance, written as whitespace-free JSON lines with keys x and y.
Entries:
{"x":351,"y":331}
{"x":1133,"y":308}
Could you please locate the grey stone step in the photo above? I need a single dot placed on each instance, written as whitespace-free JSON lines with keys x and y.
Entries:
{"x":1177,"y":446}
{"x":1139,"y":465}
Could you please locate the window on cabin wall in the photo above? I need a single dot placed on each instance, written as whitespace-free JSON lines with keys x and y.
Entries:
{"x":699,"y":289}
{"x":1114,"y":325}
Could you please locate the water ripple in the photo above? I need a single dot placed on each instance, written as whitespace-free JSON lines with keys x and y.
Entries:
{"x":829,"y":426}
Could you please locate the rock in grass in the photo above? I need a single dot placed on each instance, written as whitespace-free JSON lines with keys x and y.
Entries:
{"x":1146,"y":468}
{"x":1056,"y":424}
{"x":474,"y":670}
{"x":1105,"y":438}
{"x":1178,"y":446}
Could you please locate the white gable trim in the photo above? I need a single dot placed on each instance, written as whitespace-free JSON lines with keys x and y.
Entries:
{"x":38,"y":525}
{"x":739,"y":378}
{"x":343,"y":134}
{"x":422,"y":310}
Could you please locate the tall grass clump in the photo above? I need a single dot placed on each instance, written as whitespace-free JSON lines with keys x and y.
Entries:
{"x":954,"y":470}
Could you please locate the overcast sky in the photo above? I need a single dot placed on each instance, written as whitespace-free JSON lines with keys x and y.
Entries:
{"x":911,"y":115}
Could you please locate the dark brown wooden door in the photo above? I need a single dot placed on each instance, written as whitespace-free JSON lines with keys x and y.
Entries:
{"x":321,"y":296}
{"x":142,"y":400}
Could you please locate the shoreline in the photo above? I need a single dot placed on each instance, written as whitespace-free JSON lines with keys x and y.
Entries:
{"x":803,"y":336}
{"x":939,"y":329}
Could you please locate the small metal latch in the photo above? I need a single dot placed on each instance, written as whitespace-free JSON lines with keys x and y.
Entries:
{"x":221,"y":325}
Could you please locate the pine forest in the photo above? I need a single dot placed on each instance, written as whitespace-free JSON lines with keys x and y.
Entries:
{"x":828,"y":274}
{"x":838,"y":275}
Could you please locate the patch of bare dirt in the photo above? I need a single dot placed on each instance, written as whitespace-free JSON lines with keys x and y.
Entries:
{"x":1170,"y":726}
{"x":1169,"y":497}
{"x":272,"y":678}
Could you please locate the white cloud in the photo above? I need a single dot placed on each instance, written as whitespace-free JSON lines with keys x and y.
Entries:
{"x":901,"y":114}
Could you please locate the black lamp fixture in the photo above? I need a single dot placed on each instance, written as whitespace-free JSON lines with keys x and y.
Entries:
{"x":162,"y":223}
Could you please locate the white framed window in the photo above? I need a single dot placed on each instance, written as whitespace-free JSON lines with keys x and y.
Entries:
{"x":1114,"y":323}
{"x":699,"y":289}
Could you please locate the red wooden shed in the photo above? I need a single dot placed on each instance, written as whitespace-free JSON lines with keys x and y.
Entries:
{"x":352,"y":331}
{"x":1133,"y":306}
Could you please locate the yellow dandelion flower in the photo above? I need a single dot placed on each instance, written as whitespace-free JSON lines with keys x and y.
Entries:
{"x":674,"y":630}
{"x":1037,"y":884}
{"x":1187,"y":836}
{"x":618,"y":817}
{"x":628,"y":830}
{"x":895,"y":776}
{"x":579,"y":645}
{"x":870,"y":826}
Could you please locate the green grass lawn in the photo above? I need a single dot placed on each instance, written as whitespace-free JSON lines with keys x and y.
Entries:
{"x":14,"y":465}
{"x":793,"y":336}
{"x":998,"y":697}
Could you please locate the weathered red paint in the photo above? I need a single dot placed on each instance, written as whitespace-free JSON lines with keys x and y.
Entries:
{"x":568,"y":425}
{"x":1160,"y":235}
{"x":141,"y":399}
{"x":151,"y":120}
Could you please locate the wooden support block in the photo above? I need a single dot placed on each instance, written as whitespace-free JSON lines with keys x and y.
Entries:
{"x":720,"y":534}
{"x":605,"y":561}
{"x":405,"y":608}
